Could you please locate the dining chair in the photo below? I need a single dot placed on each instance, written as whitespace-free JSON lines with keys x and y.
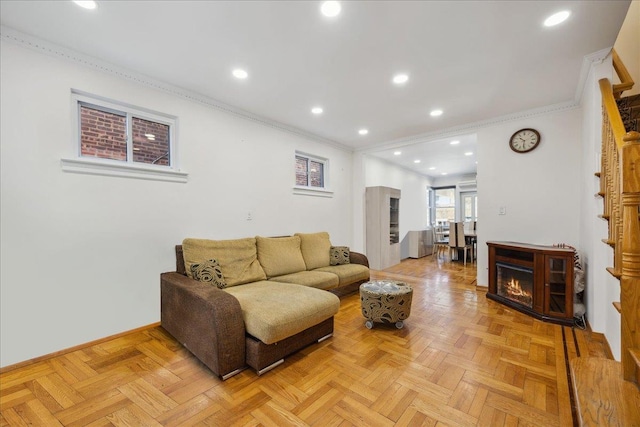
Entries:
{"x":458,"y":241}
{"x":440,"y":242}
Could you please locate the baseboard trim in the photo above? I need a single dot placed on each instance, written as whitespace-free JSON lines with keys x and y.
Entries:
{"x":607,"y":348}
{"x":8,"y":368}
{"x":600,"y":337}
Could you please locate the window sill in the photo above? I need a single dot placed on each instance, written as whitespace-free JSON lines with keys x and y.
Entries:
{"x":124,"y":170}
{"x":311,"y":191}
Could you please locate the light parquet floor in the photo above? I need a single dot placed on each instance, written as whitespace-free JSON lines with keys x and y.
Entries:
{"x":460,"y":360}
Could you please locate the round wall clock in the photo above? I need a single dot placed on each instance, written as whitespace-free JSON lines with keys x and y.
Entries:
{"x":524,"y":140}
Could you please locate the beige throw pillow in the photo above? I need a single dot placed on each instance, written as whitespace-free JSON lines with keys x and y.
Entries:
{"x":280,"y":255}
{"x":315,"y":249}
{"x":238,"y":258}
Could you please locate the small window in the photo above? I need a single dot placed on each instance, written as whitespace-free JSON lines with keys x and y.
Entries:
{"x":123,"y":135}
{"x":122,"y":140}
{"x":311,"y":174}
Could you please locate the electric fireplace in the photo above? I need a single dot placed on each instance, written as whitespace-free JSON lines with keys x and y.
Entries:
{"x":536,"y":280}
{"x":515,"y":283}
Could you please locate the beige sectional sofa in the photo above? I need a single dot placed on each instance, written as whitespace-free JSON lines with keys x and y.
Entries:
{"x":253,"y":301}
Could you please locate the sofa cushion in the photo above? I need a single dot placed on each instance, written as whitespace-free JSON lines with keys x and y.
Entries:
{"x":339,"y":255}
{"x":280,"y":255}
{"x":347,"y":273}
{"x":315,"y":249}
{"x":209,"y":271}
{"x":314,"y":279}
{"x":273,"y":311}
{"x":238,"y":258}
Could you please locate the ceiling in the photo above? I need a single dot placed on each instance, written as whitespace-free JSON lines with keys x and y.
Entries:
{"x":474,"y":60}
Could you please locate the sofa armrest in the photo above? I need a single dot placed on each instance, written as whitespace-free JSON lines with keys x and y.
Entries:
{"x":358,"y":258}
{"x":206,"y":320}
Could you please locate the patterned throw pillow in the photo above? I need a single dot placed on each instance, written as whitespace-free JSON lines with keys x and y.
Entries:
{"x":209,"y":271}
{"x":339,"y":255}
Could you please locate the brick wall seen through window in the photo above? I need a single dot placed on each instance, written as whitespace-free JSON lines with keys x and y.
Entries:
{"x":103,"y":134}
{"x":150,"y":142}
{"x":310,"y":172}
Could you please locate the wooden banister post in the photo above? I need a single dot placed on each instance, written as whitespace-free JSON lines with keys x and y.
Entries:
{"x":630,"y":280}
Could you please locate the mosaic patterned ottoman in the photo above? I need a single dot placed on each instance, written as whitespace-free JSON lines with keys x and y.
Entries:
{"x":384,"y":301}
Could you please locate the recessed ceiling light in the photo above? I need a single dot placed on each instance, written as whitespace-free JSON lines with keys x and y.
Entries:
{"x":468,"y":153}
{"x":330,"y":8}
{"x":317,"y":110}
{"x":435,"y":113}
{"x":557,"y":18}
{"x":89,"y":4}
{"x":416,"y":161}
{"x":443,"y":173}
{"x":240,"y":74}
{"x":454,"y":142}
{"x":432,"y":168}
{"x":363,"y":131}
{"x":400,"y":79}
{"x":397,"y":153}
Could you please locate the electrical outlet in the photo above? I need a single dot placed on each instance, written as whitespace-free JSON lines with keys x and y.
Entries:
{"x":503,"y":210}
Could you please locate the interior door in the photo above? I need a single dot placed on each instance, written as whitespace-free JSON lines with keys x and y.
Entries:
{"x":469,"y":205}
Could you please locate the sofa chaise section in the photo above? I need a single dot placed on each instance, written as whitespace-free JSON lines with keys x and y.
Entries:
{"x":274,"y":303}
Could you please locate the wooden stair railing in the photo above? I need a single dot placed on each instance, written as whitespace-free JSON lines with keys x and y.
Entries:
{"x":620,"y":181}
{"x":626,"y":82}
{"x":607,"y":391}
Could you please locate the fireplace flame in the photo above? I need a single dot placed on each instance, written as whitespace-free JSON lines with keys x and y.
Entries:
{"x":514,"y":289}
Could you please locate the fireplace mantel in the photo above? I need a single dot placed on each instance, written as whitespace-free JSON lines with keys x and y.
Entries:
{"x":536,"y":280}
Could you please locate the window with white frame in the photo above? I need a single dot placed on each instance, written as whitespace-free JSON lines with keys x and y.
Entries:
{"x":311,"y":171}
{"x":114,"y":138}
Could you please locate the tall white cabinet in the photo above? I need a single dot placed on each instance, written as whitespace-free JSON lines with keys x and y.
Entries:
{"x":383,"y":227}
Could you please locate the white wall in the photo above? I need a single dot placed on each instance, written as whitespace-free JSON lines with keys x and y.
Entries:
{"x":601,"y":289}
{"x":81,"y":255}
{"x":540,"y":189}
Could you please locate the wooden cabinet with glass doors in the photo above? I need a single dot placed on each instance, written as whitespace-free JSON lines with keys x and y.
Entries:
{"x":558,"y":283}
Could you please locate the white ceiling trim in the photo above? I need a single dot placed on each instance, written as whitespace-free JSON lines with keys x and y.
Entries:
{"x":587,"y":62}
{"x":471,"y":127}
{"x":58,"y":51}
{"x":403,"y":167}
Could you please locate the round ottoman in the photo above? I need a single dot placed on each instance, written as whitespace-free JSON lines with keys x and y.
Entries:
{"x":384,"y":301}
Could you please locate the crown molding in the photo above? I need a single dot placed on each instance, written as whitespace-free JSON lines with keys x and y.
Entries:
{"x":471,"y":127}
{"x":587,"y":62}
{"x":399,"y":166}
{"x":61,"y":52}
{"x":52,"y":49}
